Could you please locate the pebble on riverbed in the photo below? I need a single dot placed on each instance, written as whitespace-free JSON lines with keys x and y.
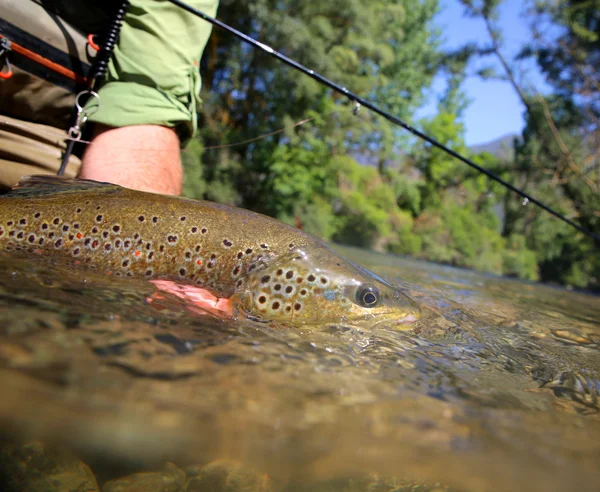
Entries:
{"x":38,"y":467}
{"x":225,"y":476}
{"x":171,"y":479}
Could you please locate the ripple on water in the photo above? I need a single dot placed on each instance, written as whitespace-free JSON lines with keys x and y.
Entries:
{"x":488,"y":392}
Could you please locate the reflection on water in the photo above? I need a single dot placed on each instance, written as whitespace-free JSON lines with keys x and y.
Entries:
{"x":496,"y":388}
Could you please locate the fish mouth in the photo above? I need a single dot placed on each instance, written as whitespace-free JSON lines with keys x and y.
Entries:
{"x":409,"y":318}
{"x":405,"y":322}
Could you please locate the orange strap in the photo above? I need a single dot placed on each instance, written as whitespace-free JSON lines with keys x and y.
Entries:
{"x":47,"y":63}
{"x":91,"y":42}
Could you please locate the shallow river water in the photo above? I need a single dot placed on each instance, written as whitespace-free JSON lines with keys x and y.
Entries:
{"x":497,"y":387}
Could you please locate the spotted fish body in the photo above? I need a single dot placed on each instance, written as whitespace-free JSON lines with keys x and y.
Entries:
{"x":269,"y":270}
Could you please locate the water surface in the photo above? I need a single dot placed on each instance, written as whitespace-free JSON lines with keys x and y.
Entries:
{"x":496,"y":388}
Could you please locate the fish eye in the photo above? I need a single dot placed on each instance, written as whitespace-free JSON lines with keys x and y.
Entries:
{"x":367,"y":296}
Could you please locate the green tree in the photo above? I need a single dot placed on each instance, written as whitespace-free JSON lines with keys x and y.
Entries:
{"x":556,"y":158}
{"x":386,"y":51}
{"x":362,"y":181}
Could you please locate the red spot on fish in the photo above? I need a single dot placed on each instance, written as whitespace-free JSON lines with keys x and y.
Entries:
{"x":77,"y":262}
{"x":38,"y":251}
{"x":138,"y":253}
{"x":79,"y":235}
{"x":108,"y":272}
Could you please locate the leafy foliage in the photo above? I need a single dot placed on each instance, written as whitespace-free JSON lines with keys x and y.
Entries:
{"x":557,"y":155}
{"x":359,"y":180}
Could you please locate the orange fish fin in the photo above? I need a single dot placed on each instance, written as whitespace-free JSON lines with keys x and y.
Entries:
{"x":197,"y":298}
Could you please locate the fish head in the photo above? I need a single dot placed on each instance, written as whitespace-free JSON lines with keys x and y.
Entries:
{"x":320,"y":287}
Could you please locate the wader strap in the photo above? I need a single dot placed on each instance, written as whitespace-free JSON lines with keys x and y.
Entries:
{"x":35,"y":56}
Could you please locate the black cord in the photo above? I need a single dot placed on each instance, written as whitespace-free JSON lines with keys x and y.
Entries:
{"x":397,"y":121}
{"x":65,"y":158}
{"x":98,"y":70}
{"x":111,"y":38}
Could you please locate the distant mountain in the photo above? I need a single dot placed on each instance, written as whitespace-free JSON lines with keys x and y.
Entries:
{"x":501,"y":147}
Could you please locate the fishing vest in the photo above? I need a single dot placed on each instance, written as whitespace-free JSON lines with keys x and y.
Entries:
{"x":47,"y":49}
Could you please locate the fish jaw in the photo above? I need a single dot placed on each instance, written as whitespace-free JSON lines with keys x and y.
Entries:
{"x":311,"y":288}
{"x":395,"y":310}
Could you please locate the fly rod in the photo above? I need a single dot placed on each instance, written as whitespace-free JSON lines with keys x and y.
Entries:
{"x":388,"y":116}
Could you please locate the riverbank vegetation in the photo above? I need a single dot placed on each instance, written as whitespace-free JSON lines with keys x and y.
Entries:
{"x":356,"y":179}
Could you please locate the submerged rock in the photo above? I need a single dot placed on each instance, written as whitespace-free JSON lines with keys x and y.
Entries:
{"x":171,"y":479}
{"x":372,"y":483}
{"x":225,"y":476}
{"x":38,"y":467}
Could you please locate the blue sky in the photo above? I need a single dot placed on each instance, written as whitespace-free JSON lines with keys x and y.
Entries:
{"x":494,"y":110}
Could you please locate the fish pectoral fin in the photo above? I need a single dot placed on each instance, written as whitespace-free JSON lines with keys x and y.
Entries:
{"x":47,"y":184}
{"x":197,"y":298}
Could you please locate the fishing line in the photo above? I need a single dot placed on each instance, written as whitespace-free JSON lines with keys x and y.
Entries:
{"x":212,"y":147}
{"x":266,"y":135}
{"x":395,"y":120}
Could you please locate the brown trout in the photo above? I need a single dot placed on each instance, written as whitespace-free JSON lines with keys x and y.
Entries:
{"x":269,"y":271}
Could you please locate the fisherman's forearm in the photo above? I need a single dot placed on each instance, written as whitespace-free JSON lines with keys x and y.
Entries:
{"x":140,"y":157}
